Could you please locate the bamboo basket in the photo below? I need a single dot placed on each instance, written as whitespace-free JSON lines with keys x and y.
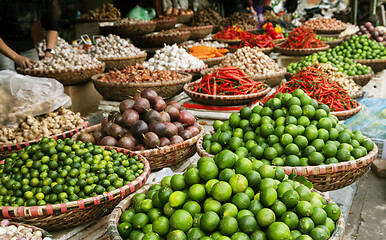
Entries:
{"x":129,"y":30}
{"x":122,"y":62}
{"x":376,"y":65}
{"x":299,"y":52}
{"x":343,"y":115}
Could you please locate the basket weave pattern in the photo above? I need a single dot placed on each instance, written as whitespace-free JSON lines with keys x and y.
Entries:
{"x":213,"y":61}
{"x":158,"y":40}
{"x":122,"y":62}
{"x":70,"y":214}
{"x":129,"y":30}
{"x":362,"y":80}
{"x":166,"y":24}
{"x":122,"y":91}
{"x":299,"y":52}
{"x":376,"y":65}
{"x":325,"y":177}
{"x":343,"y":115}
{"x":198,"y":32}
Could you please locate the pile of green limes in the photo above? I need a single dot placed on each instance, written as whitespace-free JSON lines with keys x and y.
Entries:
{"x":288,"y":130}
{"x":57,"y":171}
{"x":229,"y":198}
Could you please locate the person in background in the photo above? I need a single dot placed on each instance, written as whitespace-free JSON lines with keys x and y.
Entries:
{"x":242,"y":6}
{"x":20,"y":23}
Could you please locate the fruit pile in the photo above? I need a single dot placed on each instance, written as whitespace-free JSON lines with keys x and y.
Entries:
{"x":372,"y":32}
{"x":58,"y":171}
{"x":275,"y":32}
{"x":229,"y":198}
{"x":144,"y":122}
{"x":360,"y":47}
{"x":288,"y":130}
{"x":335,"y":58}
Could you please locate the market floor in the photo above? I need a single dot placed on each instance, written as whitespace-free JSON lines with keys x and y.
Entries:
{"x":368,"y":210}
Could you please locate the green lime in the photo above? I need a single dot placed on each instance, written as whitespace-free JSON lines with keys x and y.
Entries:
{"x":333,"y":211}
{"x":140,"y":220}
{"x":306,"y":225}
{"x":225,"y":159}
{"x":197,"y":192}
{"x":226,"y":174}
{"x":304,"y":209}
{"x":265,"y":217}
{"x":181,"y":220}
{"x":243,"y":165}
{"x":258,"y":235}
{"x":222,"y":191}
{"x":330,"y":224}
{"x":177,"y":199}
{"x":248,"y":224}
{"x":208,"y":170}
{"x":291,"y":219}
{"x":267,"y":171}
{"x":195,"y":233}
{"x":209,"y":222}
{"x":315,"y":158}
{"x":125,"y":229}
{"x":279,"y":208}
{"x":278,"y":231}
{"x":192,"y":176}
{"x":228,"y":226}
{"x":228,"y":210}
{"x":290,"y":198}
{"x":192,"y":207}
{"x":268,"y":196}
{"x":319,"y":216}
{"x":318,"y":234}
{"x":177,"y":182}
{"x":245,"y":112}
{"x":234,"y":120}
{"x":176,"y":235}
{"x":241,"y":200}
{"x":161,"y":225}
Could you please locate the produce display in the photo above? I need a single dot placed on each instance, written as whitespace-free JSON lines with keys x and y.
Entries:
{"x":53,"y":123}
{"x":288,"y":130}
{"x":205,"y":52}
{"x":232,"y":33}
{"x":318,"y":85}
{"x":124,"y":21}
{"x":214,"y":44}
{"x":260,"y":41}
{"x":176,"y":12}
{"x":204,"y":17}
{"x":324,"y":24}
{"x":66,"y":57}
{"x":138,"y":73}
{"x":324,"y":39}
{"x":243,"y":20}
{"x":173,"y":58}
{"x":247,"y":39}
{"x":360,"y":47}
{"x":113,"y":46}
{"x":275,"y":32}
{"x":344,"y":65}
{"x":346,"y":83}
{"x":227,"y":81}
{"x":372,"y":32}
{"x":9,"y":231}
{"x":108,"y":11}
{"x":145,"y":122}
{"x":252,"y":61}
{"x":301,"y":38}
{"x":57,"y":171}
{"x":229,"y":198}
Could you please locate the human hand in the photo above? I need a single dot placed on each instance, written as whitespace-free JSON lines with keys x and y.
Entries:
{"x":23,"y":62}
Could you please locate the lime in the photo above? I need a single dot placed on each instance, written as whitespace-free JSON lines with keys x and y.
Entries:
{"x":140,"y":220}
{"x":290,"y":198}
{"x":217,"y":124}
{"x":311,"y":133}
{"x":197,"y":192}
{"x":291,"y":149}
{"x":267,"y":171}
{"x":245,"y":112}
{"x":278,"y":161}
{"x":308,"y":111}
{"x":268,"y":196}
{"x":225,"y":159}
{"x":125,"y":229}
{"x":304,"y":237}
{"x":304,"y":193}
{"x":306,"y":225}
{"x":208,"y":170}
{"x":209,"y":222}
{"x":325,"y":123}
{"x":215,"y":148}
{"x":291,"y":219}
{"x":343,"y":155}
{"x":333,"y":211}
{"x":192,"y":207}
{"x":177,"y":182}
{"x":240,"y":236}
{"x":278,"y":208}
{"x":212,"y":205}
{"x":254,"y":120}
{"x":272,"y":139}
{"x":224,"y":138}
{"x":161,"y":225}
{"x":266,"y":129}
{"x":257,"y":151}
{"x":325,"y":229}
{"x":279,"y":174}
{"x":295,"y":234}
{"x":301,"y":142}
{"x":368,"y":144}
{"x":127,"y":215}
{"x":241,"y":200}
{"x":330,"y":224}
{"x":283,"y":187}
{"x":248,"y":224}
{"x":329,"y":150}
{"x":226,"y":174}
{"x":270,"y":153}
{"x":229,"y":210}
{"x":154,"y":214}
{"x":295,"y":110}
{"x":195,"y":233}
{"x":315,"y":158}
{"x":278,"y":231}
{"x":243,"y":165}
{"x":318,"y":234}
{"x":181,"y":220}
{"x":176,"y":235}
{"x":315,"y":202}
{"x":234,"y":120}
{"x":228,"y":226}
{"x":209,"y":185}
{"x":304,"y":209}
{"x":177,"y":199}
{"x":241,"y":152}
{"x":192,"y":176}
{"x":222,"y":191}
{"x":257,"y":109}
{"x":265,"y":217}
{"x":319,"y":216}
{"x":258,"y":235}
{"x":320,"y":113}
{"x":292,"y":160}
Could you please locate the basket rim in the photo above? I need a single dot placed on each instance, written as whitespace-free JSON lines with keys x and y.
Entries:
{"x":155,"y":35}
{"x":32,"y":72}
{"x":313,"y":170}
{"x":59,"y":208}
{"x":196,"y":28}
{"x":10,"y":147}
{"x":285,"y":50}
{"x":128,"y":25}
{"x":225,"y":97}
{"x":348,"y":112}
{"x":45,"y":233}
{"x":85,"y":20}
{"x":261,"y":49}
{"x":326,"y":31}
{"x":227,"y":40}
{"x":169,"y":19}
{"x":154,"y":151}
{"x":215,"y":59}
{"x":363,"y":76}
{"x":142,"y":55}
{"x":364,"y":61}
{"x":193,"y":70}
{"x":186,"y":78}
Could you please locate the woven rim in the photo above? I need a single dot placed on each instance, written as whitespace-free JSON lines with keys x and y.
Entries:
{"x":267,"y":76}
{"x":362,"y":80}
{"x":155,"y":151}
{"x":313,"y":170}
{"x":327,"y":31}
{"x":227,"y":41}
{"x":33,"y":72}
{"x":370,"y":61}
{"x":159,"y":35}
{"x":45,"y":234}
{"x":357,"y":94}
{"x":304,"y":51}
{"x":189,"y":92}
{"x":123,"y":58}
{"x":186,"y":78}
{"x":169,"y":19}
{"x":69,"y":133}
{"x":279,"y":40}
{"x":134,"y":25}
{"x":197,"y":28}
{"x":85,"y":20}
{"x":184,"y":18}
{"x":193,"y":70}
{"x":42,"y":211}
{"x":113,"y":220}
{"x":213,"y":61}
{"x":341,"y":115}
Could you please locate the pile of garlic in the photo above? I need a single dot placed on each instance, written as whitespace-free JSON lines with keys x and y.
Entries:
{"x":215,"y":44}
{"x":13,"y":232}
{"x":252,"y":61}
{"x":173,"y":58}
{"x":66,"y":57}
{"x":113,"y":46}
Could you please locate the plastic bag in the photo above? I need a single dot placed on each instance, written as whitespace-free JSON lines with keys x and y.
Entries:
{"x":371,"y":120}
{"x":22,"y":95}
{"x":141,"y":13}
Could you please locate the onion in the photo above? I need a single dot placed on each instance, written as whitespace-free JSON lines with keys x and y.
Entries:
{"x":86,"y":137}
{"x":171,"y":129}
{"x":165,"y":117}
{"x":151,"y":140}
{"x":152,"y":116}
{"x":179,"y":126}
{"x":105,"y":126}
{"x":186,"y":134}
{"x":139,"y":128}
{"x":126,"y":143}
{"x":158,"y":128}
{"x":132,"y":137}
{"x":115,"y":131}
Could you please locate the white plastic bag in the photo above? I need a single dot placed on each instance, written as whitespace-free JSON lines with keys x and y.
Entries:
{"x":26,"y":95}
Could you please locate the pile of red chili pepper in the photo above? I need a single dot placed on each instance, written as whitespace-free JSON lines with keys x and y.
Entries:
{"x":227,"y":81}
{"x":302,"y":38}
{"x":316,"y":84}
{"x":247,"y":39}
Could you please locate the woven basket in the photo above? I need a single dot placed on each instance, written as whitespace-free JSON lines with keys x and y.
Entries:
{"x":122,"y":91}
{"x":198,"y":32}
{"x":66,"y":77}
{"x":267,"y":51}
{"x":357,"y":94}
{"x":334,"y":43}
{"x":230,"y":42}
{"x":213,"y":61}
{"x":196,"y":72}
{"x":272,"y":79}
{"x":70,"y":214}
{"x":343,"y":115}
{"x":114,"y":218}
{"x":324,"y":177}
{"x":166,"y":156}
{"x":121,"y":62}
{"x":376,"y":65}
{"x":223,"y":100}
{"x":129,"y":30}
{"x":45,"y":234}
{"x":85,"y":20}
{"x":166,"y":23}
{"x":158,"y":39}
{"x":329,"y":31}
{"x":6,"y":150}
{"x":299,"y":52}
{"x":184,"y":18}
{"x":278,"y":41}
{"x":362,"y":80}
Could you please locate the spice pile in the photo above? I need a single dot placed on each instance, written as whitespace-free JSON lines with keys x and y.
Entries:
{"x":302,"y":38}
{"x":53,"y":123}
{"x":252,"y":61}
{"x":206,"y":17}
{"x":137,"y":74}
{"x":204,"y":52}
{"x":227,"y":81}
{"x":324,"y":24}
{"x":113,"y":46}
{"x":108,"y":11}
{"x":317,"y":84}
{"x":247,"y":39}
{"x":173,"y":58}
{"x":243,"y":20}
